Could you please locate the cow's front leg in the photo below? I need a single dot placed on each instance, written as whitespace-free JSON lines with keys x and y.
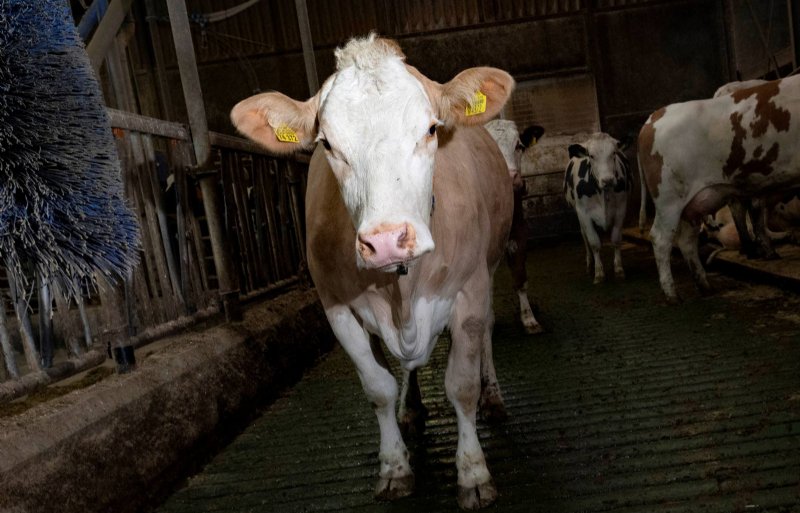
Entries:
{"x":593,"y":243}
{"x":463,"y":386}
{"x":529,"y":322}
{"x":396,"y":478}
{"x":616,"y":241}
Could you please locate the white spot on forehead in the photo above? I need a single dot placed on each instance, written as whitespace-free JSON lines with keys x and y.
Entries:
{"x":601,"y":142}
{"x":366,"y":53}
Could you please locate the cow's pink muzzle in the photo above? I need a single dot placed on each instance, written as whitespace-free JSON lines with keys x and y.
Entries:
{"x":387,"y":246}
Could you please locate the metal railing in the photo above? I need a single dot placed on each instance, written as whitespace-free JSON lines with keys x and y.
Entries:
{"x":175,"y":282}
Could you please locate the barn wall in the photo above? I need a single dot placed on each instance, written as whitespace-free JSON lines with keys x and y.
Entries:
{"x":641,"y":54}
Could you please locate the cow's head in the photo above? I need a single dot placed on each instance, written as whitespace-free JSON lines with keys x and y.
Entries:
{"x":602,"y":152}
{"x":377,"y":119}
{"x":512,"y":144}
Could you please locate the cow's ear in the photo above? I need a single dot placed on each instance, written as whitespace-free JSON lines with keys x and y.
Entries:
{"x":276,"y":122}
{"x":474,"y":96}
{"x":577,"y":151}
{"x":531,"y":135}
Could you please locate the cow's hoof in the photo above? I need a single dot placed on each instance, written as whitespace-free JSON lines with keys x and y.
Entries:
{"x":533,"y":329}
{"x":412,"y":423}
{"x":620,"y":275}
{"x":599,"y":279}
{"x":493,"y":412}
{"x":477,"y":497}
{"x":673,"y":300}
{"x":393,"y":488}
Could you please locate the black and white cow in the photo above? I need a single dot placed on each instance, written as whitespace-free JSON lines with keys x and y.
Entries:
{"x":596,"y":183}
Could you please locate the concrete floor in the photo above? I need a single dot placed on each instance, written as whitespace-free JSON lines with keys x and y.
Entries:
{"x":625,"y":404}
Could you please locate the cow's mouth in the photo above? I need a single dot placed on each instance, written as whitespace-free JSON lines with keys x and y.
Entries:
{"x":401,"y":268}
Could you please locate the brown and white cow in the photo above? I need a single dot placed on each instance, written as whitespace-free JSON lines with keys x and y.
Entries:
{"x":695,"y":156}
{"x":597,"y":182}
{"x":512,"y":146}
{"x":409,"y":206}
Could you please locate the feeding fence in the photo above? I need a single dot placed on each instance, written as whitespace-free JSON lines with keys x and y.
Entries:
{"x":175,"y":283}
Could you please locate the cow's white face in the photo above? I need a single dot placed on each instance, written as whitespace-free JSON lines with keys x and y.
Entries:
{"x":601,"y":150}
{"x":506,"y":135}
{"x":376,"y":118}
{"x":378,"y":129}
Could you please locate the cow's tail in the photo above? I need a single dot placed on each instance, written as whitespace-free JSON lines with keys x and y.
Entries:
{"x":643,"y":198}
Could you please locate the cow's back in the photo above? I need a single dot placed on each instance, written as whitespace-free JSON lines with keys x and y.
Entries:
{"x":472,"y":208}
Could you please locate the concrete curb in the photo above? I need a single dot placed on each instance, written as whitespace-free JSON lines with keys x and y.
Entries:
{"x":116,"y":445}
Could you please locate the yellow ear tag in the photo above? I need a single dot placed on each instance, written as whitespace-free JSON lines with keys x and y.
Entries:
{"x":534,"y":141}
{"x":477,"y":105}
{"x":286,"y":134}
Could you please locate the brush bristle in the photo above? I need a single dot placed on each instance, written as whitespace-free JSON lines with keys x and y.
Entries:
{"x":62,"y":210}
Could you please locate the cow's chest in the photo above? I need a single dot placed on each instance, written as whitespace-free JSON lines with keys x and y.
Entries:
{"x":408,"y":327}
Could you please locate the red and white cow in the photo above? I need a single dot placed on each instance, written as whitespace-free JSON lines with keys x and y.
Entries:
{"x":596,"y":184}
{"x":512,"y":146}
{"x":695,"y":156}
{"x":409,"y":206}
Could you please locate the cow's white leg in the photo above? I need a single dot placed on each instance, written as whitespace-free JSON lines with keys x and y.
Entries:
{"x":530,"y":323}
{"x":396,"y":478}
{"x":469,"y":326}
{"x":662,"y":233}
{"x":587,"y":248}
{"x":593,"y":243}
{"x":687,"y":242}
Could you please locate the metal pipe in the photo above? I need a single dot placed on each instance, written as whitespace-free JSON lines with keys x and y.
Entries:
{"x":308,"y":46}
{"x":193,"y":96}
{"x":91,"y":18}
{"x":106,"y":31}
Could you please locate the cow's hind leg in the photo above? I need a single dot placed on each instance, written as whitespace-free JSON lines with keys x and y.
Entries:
{"x":468,"y":326}
{"x":687,"y":242}
{"x":412,"y":412}
{"x":395,"y":478}
{"x":491,"y":404}
{"x":662,"y":233}
{"x":616,"y":241}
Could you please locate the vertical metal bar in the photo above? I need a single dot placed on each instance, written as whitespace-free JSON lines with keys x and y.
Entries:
{"x":5,"y":342}
{"x":106,"y":31}
{"x":87,"y":329}
{"x":308,"y":46}
{"x":45,"y":322}
{"x":794,"y":21}
{"x":190,"y":82}
{"x":25,"y":328}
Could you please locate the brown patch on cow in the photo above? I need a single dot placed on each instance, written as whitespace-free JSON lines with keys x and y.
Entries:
{"x":766,"y":112}
{"x":651,"y":163}
{"x":736,"y":158}
{"x":474,"y":327}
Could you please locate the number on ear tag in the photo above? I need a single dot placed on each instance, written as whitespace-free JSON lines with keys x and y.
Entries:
{"x":477,"y":105}
{"x":286,"y":134}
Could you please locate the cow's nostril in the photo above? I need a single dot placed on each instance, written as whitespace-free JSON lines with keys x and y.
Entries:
{"x":365,"y":247}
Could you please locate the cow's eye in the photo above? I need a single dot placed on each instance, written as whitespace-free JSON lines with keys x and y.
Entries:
{"x":432,"y":130}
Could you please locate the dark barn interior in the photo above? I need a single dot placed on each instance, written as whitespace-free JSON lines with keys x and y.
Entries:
{"x":208,"y":377}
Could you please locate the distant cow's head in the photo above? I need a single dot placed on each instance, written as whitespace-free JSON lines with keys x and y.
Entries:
{"x":605,"y":160}
{"x":378,"y":118}
{"x":512,"y":144}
